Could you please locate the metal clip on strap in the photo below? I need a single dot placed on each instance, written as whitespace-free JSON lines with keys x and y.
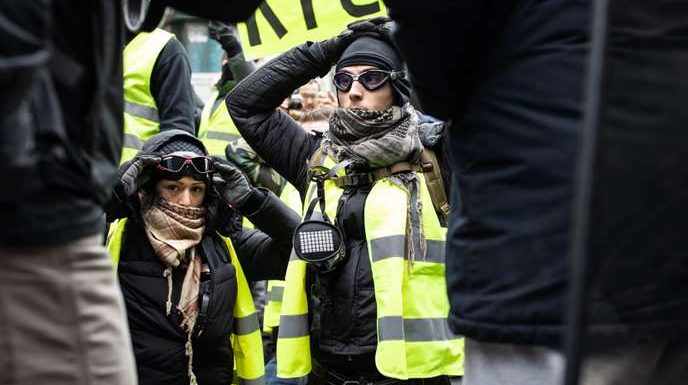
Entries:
{"x":380,"y":173}
{"x":319,"y":179}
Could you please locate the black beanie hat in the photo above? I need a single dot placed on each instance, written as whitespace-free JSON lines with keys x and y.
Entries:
{"x":181,"y":145}
{"x":380,"y":54}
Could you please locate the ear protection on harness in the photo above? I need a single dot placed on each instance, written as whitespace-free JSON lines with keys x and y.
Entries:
{"x":318,"y":241}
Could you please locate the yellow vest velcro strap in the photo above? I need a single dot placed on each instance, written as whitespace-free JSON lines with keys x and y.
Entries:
{"x":218,"y":135}
{"x":276,"y":293}
{"x":146,"y":112}
{"x":293,"y":326}
{"x":435,"y":251}
{"x":246,"y":325}
{"x":414,"y":329}
{"x":253,"y":381}
{"x":394,"y":246}
{"x":132,"y":141}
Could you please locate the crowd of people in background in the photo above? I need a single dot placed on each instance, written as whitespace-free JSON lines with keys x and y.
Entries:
{"x":350,"y":212}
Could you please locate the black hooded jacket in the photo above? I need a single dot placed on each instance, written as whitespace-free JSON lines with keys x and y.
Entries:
{"x":158,"y":340}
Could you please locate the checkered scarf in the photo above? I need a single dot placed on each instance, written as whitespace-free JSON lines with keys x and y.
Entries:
{"x":173,"y":231}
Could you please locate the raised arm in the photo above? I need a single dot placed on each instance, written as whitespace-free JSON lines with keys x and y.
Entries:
{"x":275,"y":136}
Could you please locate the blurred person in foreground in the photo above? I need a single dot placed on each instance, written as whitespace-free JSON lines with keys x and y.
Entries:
{"x":61,"y":103}
{"x":373,"y":308}
{"x":510,"y":76}
{"x":62,"y":317}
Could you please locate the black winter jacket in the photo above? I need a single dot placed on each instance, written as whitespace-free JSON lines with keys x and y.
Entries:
{"x":345,"y":315}
{"x":512,"y":83}
{"x":60,"y":118}
{"x":157,"y":338}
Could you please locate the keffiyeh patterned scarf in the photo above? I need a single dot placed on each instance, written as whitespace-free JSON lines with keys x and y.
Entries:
{"x":173,"y":231}
{"x":376,"y":139}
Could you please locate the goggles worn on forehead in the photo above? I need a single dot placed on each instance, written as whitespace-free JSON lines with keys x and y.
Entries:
{"x":175,"y":163}
{"x":371,"y":79}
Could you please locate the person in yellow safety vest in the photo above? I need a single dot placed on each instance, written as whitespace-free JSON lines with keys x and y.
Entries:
{"x":157,"y":89}
{"x":376,"y":305}
{"x":216,"y":129}
{"x":185,"y":283}
{"x":275,"y":291}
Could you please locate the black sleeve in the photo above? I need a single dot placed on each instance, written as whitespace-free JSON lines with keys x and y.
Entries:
{"x":240,"y":67}
{"x":275,"y":136}
{"x":171,"y":88}
{"x":264,"y":252}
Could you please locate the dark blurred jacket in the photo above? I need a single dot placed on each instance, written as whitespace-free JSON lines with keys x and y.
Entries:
{"x":61,"y":109}
{"x":60,"y":117}
{"x":509,"y":74}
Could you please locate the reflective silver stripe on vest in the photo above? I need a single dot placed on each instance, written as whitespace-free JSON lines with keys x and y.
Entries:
{"x":394,"y":246}
{"x":414,"y":329}
{"x":132,"y":141}
{"x":254,"y":381}
{"x":222,"y":136}
{"x":276,"y":293}
{"x":141,"y":111}
{"x":293,"y":326}
{"x":246,"y":325}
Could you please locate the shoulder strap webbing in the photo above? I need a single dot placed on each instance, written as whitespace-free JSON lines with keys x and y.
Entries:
{"x":435,"y":183}
{"x":429,"y":166}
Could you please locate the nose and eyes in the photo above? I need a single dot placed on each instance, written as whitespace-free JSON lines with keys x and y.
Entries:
{"x":364,"y":87}
{"x":185,"y":191}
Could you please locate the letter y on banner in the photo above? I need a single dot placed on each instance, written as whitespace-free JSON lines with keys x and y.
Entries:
{"x":278,"y":25}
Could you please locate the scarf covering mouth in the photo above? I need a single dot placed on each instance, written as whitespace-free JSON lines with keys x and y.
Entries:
{"x":376,"y":139}
{"x":373,"y":138}
{"x":174,"y":231}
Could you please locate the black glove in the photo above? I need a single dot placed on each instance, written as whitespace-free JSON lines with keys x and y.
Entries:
{"x":132,"y":175}
{"x":225,"y":34}
{"x":376,"y":27}
{"x":331,"y":49}
{"x":431,"y":133}
{"x":231,"y":183}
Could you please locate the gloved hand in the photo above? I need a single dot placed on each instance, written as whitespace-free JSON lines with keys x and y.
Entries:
{"x":331,"y":49}
{"x":377,"y":27}
{"x":225,"y":34}
{"x":431,"y":133}
{"x":132,"y":175}
{"x":231,"y":183}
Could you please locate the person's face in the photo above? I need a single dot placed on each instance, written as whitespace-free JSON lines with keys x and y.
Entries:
{"x":359,"y":97}
{"x":185,"y":191}
{"x":309,"y":96}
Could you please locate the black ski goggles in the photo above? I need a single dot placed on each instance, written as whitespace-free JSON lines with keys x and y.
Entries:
{"x":370,"y":80}
{"x":176,"y":163}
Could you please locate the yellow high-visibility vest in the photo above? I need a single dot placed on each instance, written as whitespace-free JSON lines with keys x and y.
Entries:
{"x":413,"y":336}
{"x":246,"y":338}
{"x":141,"y":118}
{"x":217,"y":128}
{"x":271,"y":316}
